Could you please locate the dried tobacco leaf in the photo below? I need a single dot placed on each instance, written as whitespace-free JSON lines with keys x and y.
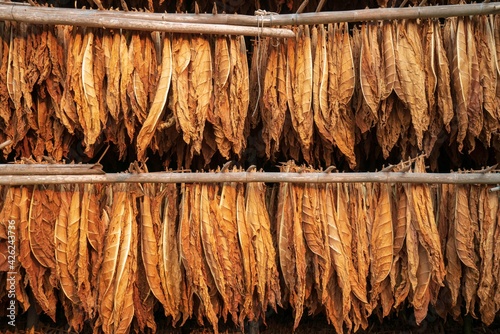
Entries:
{"x":460,"y":76}
{"x":123,"y":308}
{"x":208,"y":221}
{"x":444,"y":97}
{"x":171,"y":273}
{"x":370,"y":65}
{"x":382,"y":240}
{"x":230,"y":251}
{"x":299,"y":87}
{"x":463,"y":233}
{"x":200,"y":89}
{"x":320,"y":84}
{"x":485,"y":40}
{"x":239,"y":91}
{"x":489,"y":204}
{"x":388,"y":59}
{"x":411,"y":76}
{"x":221,"y":118}
{"x":149,"y":245}
{"x":155,"y":113}
{"x":40,"y":225}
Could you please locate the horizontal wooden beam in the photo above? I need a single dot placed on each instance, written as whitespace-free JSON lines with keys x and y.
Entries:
{"x":127,"y":20}
{"x":121,"y":20}
{"x":245,"y":177}
{"x":50,"y":169}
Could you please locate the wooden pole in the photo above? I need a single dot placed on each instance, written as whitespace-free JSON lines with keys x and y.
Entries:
{"x":120,"y":20}
{"x":245,"y":177}
{"x":50,"y":169}
{"x":79,"y":16}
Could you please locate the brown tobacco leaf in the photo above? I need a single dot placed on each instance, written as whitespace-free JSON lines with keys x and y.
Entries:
{"x":43,"y":212}
{"x":99,"y":76}
{"x":274,"y":100}
{"x":73,"y":232}
{"x":382,"y":239}
{"x":95,"y":228}
{"x":475,"y":106}
{"x":126,"y":69}
{"x":369,"y":75}
{"x":82,"y":273}
{"x":268,"y":290}
{"x":181,"y":56}
{"x":337,"y":251}
{"x":248,"y":257}
{"x":191,"y":251}
{"x":109,"y":263}
{"x":444,"y":97}
{"x":200,"y":87}
{"x":256,"y":78}
{"x":149,"y":245}
{"x":463,"y":233}
{"x":156,"y":111}
{"x":320,"y":85}
{"x":221,"y":118}
{"x":5,"y":32}
{"x":421,"y":297}
{"x":342,"y":122}
{"x":111,"y":48}
{"x":230,"y":251}
{"x":401,"y":221}
{"x":460,"y":76}
{"x":62,"y":250}
{"x":170,"y":262}
{"x":11,"y":211}
{"x":299,"y":247}
{"x":486,"y":246}
{"x":209,"y":221}
{"x":91,"y":113}
{"x":388,"y":59}
{"x":39,"y":277}
{"x":239,"y":91}
{"x":411,"y":76}
{"x":422,"y":213}
{"x":284,"y":217}
{"x":485,"y":40}
{"x":429,"y":58}
{"x":390,"y":129}
{"x":299,"y":87}
{"x":123,"y":307}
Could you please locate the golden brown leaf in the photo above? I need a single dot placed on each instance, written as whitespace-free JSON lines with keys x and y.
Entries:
{"x":91,"y":114}
{"x":463,"y":234}
{"x":444,"y":97}
{"x":382,"y":239}
{"x":411,"y":76}
{"x":149,"y":245}
{"x":299,"y":87}
{"x":156,"y":111}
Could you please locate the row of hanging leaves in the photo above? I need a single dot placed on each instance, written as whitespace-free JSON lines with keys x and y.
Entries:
{"x":317,"y":96}
{"x":110,"y":254}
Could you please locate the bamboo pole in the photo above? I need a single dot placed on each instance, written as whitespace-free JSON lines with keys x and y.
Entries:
{"x":75,"y":16}
{"x":120,"y":20}
{"x":50,"y":169}
{"x":245,"y":177}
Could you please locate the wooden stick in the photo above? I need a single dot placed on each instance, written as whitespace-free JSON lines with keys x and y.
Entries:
{"x":5,"y":144}
{"x":50,"y":169}
{"x":214,"y":177}
{"x":121,"y":20}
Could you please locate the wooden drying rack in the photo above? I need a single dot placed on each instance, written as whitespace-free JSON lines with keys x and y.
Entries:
{"x":226,"y":24}
{"x":258,"y":25}
{"x":31,"y":174}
